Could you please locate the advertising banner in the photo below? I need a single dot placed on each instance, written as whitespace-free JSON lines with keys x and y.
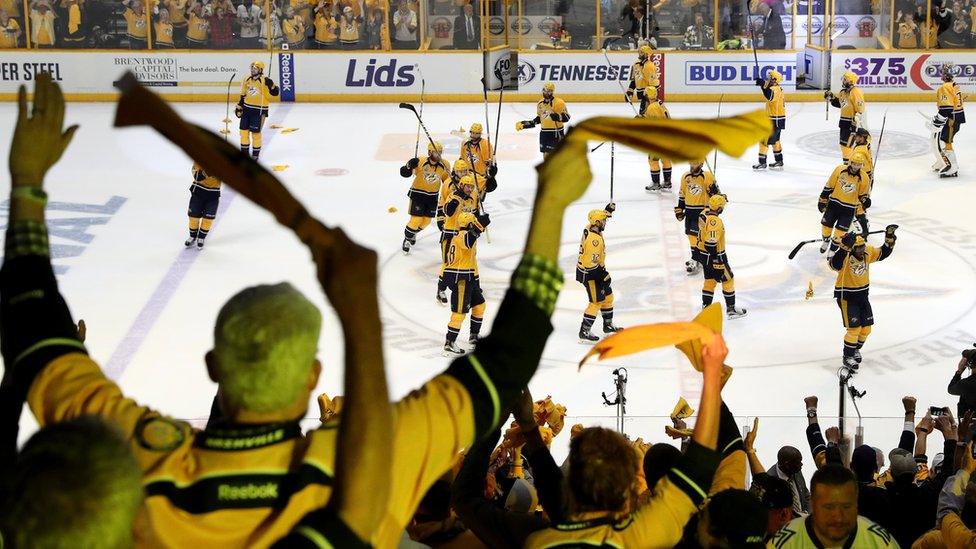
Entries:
{"x":531,"y":29}
{"x":903,"y":72}
{"x":725,"y":72}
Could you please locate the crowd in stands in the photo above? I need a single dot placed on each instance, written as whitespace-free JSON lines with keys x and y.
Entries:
{"x":427,"y":471}
{"x":949,"y":25}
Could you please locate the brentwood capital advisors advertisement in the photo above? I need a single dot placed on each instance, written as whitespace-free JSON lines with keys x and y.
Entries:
{"x":903,"y":72}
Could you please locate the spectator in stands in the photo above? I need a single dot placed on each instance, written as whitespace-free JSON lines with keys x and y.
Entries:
{"x":909,"y":517}
{"x":198,"y":26}
{"x":789,"y":465}
{"x":326,"y":27}
{"x":956,"y":517}
{"x":965,"y":389}
{"x":777,"y":497}
{"x":42,"y":24}
{"x":733,"y":518}
{"x":293,"y":27}
{"x":73,"y":484}
{"x":404,"y":27}
{"x":163,"y":30}
{"x":275,"y":26}
{"x":698,"y":35}
{"x":135,"y":23}
{"x":349,"y":29}
{"x":223,"y":15}
{"x":873,"y":501}
{"x":833,"y":520}
{"x":773,"y":36}
{"x":177,"y":17}
{"x":250,"y":21}
{"x":374,"y":28}
{"x":467,"y":28}
{"x":956,"y":37}
{"x":9,"y":32}
{"x":75,"y":23}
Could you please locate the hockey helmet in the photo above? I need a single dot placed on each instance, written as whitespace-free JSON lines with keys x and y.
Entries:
{"x":461,"y":165}
{"x":859,"y":158}
{"x":859,"y":241}
{"x":548,"y":87}
{"x":259,"y":65}
{"x":849,"y":79}
{"x":435,"y":146}
{"x":862,"y":132}
{"x":699,"y":162}
{"x":465,"y":219}
{"x":717,"y":202}
{"x":645,"y":51}
{"x":597,"y":215}
{"x":775,"y":76}
{"x":466,"y":180}
{"x":476,"y":128}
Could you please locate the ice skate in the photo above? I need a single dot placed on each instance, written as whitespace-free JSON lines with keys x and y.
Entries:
{"x":451,"y":349}
{"x":735,"y":312}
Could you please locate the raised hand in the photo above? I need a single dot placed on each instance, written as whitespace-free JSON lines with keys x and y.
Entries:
{"x":39,"y":138}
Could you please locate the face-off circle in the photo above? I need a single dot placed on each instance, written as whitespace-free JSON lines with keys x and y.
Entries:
{"x":896,"y":144}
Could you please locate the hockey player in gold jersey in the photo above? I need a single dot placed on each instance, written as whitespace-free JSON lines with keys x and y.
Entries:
{"x":643,"y":79}
{"x":697,"y":186}
{"x":657,"y":109}
{"x":461,"y":276}
{"x":551,"y":115}
{"x":256,"y":93}
{"x":850,"y":101}
{"x":947,"y":123}
{"x":711,"y":231}
{"x":460,"y":170}
{"x":846,"y":190}
{"x":476,"y":151}
{"x":862,"y":145}
{"x":776,"y":110}
{"x":463,"y":198}
{"x":204,"y":198}
{"x":591,"y":272}
{"x":852,"y":263}
{"x":430,"y":174}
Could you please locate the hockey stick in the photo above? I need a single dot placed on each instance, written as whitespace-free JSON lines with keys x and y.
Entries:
{"x":474,"y":173}
{"x":619,"y":83}
{"x":498,"y":117}
{"x":227,"y":107}
{"x":877,"y":150}
{"x":139,"y":107}
{"x":714,"y":166}
{"x":612,"y":161}
{"x":805,"y":242}
{"x":413,"y":109}
{"x":598,"y":146}
{"x":484,"y":93}
{"x":423,"y":88}
{"x":752,"y":35}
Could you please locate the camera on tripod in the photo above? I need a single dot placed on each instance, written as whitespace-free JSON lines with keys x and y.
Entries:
{"x":970,"y":355}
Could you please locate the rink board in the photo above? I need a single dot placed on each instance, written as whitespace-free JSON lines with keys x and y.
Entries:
{"x":456,"y":76}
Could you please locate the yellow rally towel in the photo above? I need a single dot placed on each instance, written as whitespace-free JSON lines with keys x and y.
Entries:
{"x":275,"y":126}
{"x":679,"y":140}
{"x":74,"y":18}
{"x":289,"y":130}
{"x":279,"y":167}
{"x":682,"y":409}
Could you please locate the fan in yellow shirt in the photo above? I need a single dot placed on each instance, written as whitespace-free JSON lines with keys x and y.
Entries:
{"x":326,"y":27}
{"x":135,"y":23}
{"x":9,"y":31}
{"x":293,"y":27}
{"x":163,"y":30}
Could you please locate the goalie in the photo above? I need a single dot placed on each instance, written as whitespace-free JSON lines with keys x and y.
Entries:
{"x":946,"y":124}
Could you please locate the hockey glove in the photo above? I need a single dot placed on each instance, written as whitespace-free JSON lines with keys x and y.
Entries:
{"x":271,"y":85}
{"x":610,"y":208}
{"x":238,"y":111}
{"x":822,"y":205}
{"x":848,"y":241}
{"x":866,"y":202}
{"x":890,"y":234}
{"x":679,"y":214}
{"x":828,"y":95}
{"x":484,"y":220}
{"x":413,"y":163}
{"x":760,"y":82}
{"x":555,"y":117}
{"x":492,"y":170}
{"x":406,"y":171}
{"x":713,"y":190}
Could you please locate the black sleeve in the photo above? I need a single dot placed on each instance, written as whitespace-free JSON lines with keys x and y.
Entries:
{"x":816,"y":440}
{"x":35,"y":325}
{"x":321,"y":525}
{"x":272,"y":89}
{"x":537,"y":120}
{"x":564,"y":117}
{"x":837,"y":262}
{"x":835,"y":102}
{"x":954,"y":384}
{"x":885,"y":251}
{"x":767,"y":93}
{"x":833,"y":454}
{"x":503,"y":362}
{"x":547,"y":476}
{"x":451,"y":206}
{"x":694,"y":471}
{"x":729,"y":439}
{"x":907,"y":440}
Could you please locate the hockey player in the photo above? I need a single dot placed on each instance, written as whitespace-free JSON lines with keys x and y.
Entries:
{"x":460,"y":170}
{"x":852,"y":263}
{"x":643,"y":79}
{"x":461,"y":276}
{"x":462,"y":199}
{"x":847,"y":188}
{"x":862,"y":144}
{"x":476,"y":151}
{"x":430,"y":174}
{"x":551,"y":115}
{"x":204,"y":198}
{"x":657,"y":109}
{"x":776,"y":110}
{"x":946,"y":124}
{"x":712,"y":247}
{"x":256,"y":93}
{"x":697,"y":186}
{"x":850,"y":101}
{"x":591,"y":272}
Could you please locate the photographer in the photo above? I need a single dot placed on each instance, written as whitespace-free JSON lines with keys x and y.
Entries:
{"x":965,"y":389}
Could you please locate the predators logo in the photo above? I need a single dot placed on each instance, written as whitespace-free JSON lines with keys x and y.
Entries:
{"x":694,"y":189}
{"x":848,"y":186}
{"x":858,"y":268}
{"x":430,"y":174}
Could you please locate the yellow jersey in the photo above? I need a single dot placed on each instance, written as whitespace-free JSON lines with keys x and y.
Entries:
{"x":656,"y":109}
{"x":294,"y":29}
{"x":256,"y":91}
{"x":851,"y":102}
{"x":198,"y":29}
{"x":429,"y":177}
{"x":477,"y":155}
{"x":592,"y":252}
{"x":325,"y":29}
{"x":775,"y":105}
{"x":544,"y":109}
{"x":203,"y":179}
{"x":643,"y":75}
{"x":845,"y":188}
{"x":907,"y":36}
{"x":711,"y":233}
{"x":853,"y":275}
{"x":135,"y":25}
{"x":348,"y":30}
{"x":949,"y":100}
{"x":8,"y":34}
{"x":177,"y":12}
{"x":462,"y":256}
{"x":164,"y":33}
{"x":455,"y":206}
{"x":695,"y":190}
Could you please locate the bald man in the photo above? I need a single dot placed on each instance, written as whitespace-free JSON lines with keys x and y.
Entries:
{"x":789,"y":465}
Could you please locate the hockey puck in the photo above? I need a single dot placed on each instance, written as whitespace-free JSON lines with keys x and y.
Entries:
{"x":331,"y":172}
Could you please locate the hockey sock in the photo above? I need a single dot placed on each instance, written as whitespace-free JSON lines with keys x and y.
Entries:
{"x":850,"y":341}
{"x":656,"y":176}
{"x":476,"y":325}
{"x":826,"y":231}
{"x":256,"y":147}
{"x":441,"y":285}
{"x":667,"y":172}
{"x":778,"y":152}
{"x":845,"y":153}
{"x":708,"y":292}
{"x":729,"y":299}
{"x":588,"y":321}
{"x":607,"y":315}
{"x":194,"y":226}
{"x":763,"y":148}
{"x":863,"y":336}
{"x":205,"y":228}
{"x":762,"y":158}
{"x":454,"y":327}
{"x":410,"y":234}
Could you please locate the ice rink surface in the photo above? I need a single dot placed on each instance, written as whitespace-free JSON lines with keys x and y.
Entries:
{"x":117,"y":220}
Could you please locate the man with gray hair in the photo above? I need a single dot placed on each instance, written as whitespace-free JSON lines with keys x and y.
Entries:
{"x":249,"y":478}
